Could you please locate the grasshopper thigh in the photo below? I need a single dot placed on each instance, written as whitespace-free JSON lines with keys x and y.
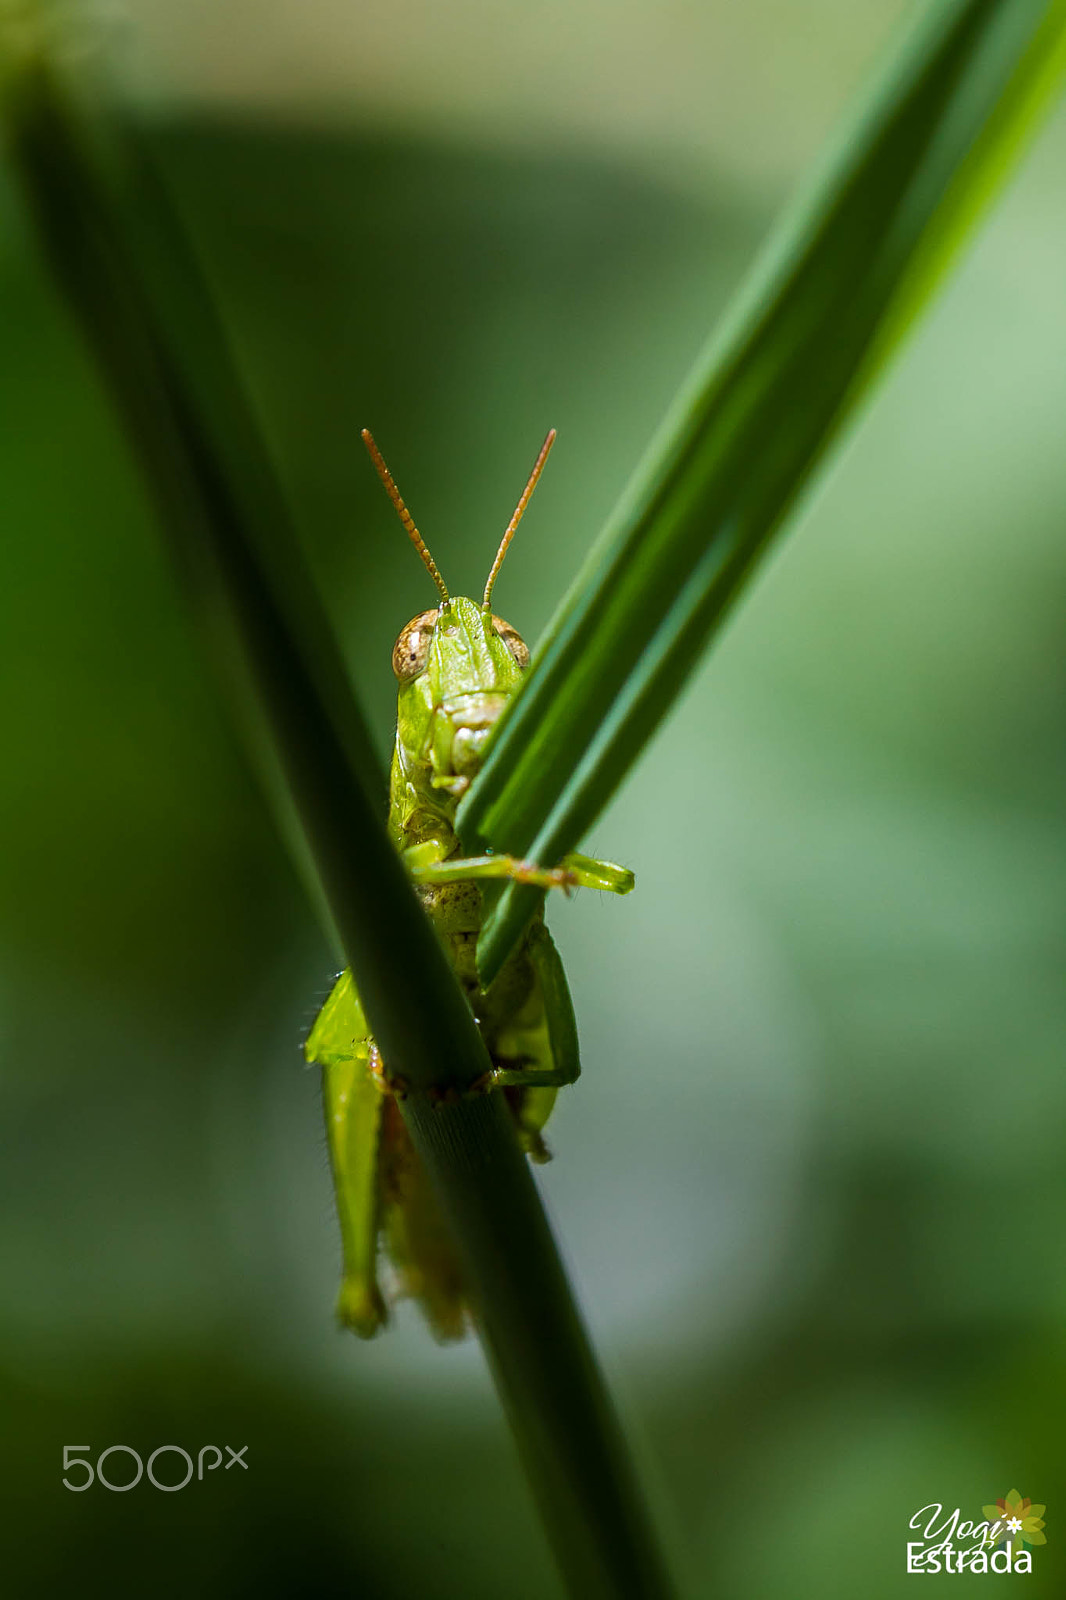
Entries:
{"x":352,"y":1102}
{"x":353,"y":1106}
{"x":340,"y":1028}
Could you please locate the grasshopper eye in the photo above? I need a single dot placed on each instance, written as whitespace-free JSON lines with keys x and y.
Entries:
{"x":513,"y":640}
{"x":411,"y":650}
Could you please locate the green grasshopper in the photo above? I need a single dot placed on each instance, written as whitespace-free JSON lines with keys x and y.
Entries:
{"x":457,"y":666}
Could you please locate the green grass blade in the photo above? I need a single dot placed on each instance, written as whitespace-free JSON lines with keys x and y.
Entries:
{"x":546,"y":1371}
{"x":847,"y":272}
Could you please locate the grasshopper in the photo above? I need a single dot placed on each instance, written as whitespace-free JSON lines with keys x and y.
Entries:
{"x":457,"y":666}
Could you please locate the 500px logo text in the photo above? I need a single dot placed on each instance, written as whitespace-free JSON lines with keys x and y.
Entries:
{"x":74,"y":1457}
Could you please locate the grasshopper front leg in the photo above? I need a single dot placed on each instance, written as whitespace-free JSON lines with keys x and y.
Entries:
{"x":426,"y":864}
{"x":589,"y":873}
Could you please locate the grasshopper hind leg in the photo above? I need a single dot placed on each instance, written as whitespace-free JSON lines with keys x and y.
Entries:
{"x":340,"y":1044}
{"x":381,"y":1189}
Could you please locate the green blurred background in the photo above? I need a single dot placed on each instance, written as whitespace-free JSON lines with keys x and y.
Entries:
{"x":811,"y":1181}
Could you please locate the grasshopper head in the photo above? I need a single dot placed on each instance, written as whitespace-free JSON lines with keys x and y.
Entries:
{"x":461,"y":642}
{"x":456,"y":666}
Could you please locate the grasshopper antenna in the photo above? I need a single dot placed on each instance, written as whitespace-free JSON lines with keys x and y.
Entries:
{"x":538,"y":468}
{"x":405,"y":516}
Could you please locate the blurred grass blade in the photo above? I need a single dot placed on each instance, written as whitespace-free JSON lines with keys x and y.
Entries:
{"x":124,"y":265}
{"x":126,"y":270}
{"x":847,"y":271}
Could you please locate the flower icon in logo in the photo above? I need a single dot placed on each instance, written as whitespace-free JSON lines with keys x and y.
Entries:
{"x":1015,"y":1519}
